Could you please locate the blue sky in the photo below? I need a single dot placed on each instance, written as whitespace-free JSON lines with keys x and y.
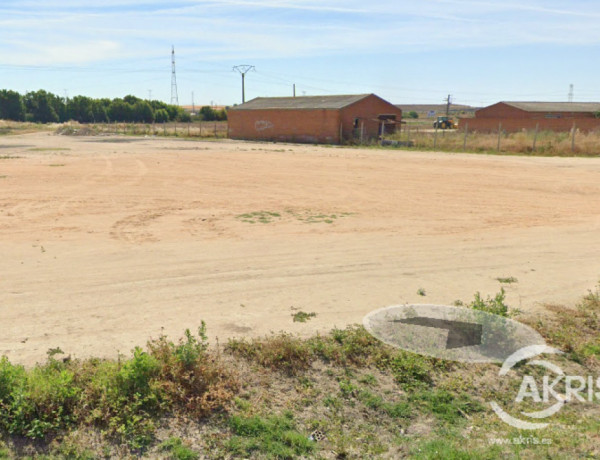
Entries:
{"x":481,"y":52}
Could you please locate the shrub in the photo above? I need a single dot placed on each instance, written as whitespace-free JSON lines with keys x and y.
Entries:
{"x":282,"y":352}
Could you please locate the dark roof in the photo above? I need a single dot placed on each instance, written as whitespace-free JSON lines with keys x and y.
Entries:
{"x":302,"y":102}
{"x":434,"y":107}
{"x":556,"y":106}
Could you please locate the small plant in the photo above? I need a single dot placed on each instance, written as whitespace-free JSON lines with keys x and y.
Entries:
{"x":421,"y":292}
{"x":303,"y":317}
{"x":495,"y":305}
{"x":177,"y":450}
{"x":507,"y":280}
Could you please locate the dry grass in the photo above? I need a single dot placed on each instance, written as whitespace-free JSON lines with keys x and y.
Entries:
{"x":547,"y":143}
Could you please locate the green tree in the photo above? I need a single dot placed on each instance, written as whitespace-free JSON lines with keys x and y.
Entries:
{"x":119,"y":110}
{"x":142,"y":112}
{"x":208,"y":113}
{"x":11,"y":106}
{"x":43,"y":107}
{"x":80,"y":109}
{"x":161,"y":116}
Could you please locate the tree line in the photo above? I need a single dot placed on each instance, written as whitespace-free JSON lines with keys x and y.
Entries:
{"x":44,"y":107}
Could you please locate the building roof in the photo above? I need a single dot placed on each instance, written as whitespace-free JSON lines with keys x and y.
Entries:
{"x":433,"y":107}
{"x":301,"y":102}
{"x":556,"y":106}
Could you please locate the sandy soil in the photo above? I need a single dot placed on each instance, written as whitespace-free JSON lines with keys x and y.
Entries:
{"x":108,"y":241}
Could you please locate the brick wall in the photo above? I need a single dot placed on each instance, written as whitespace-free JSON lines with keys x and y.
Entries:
{"x":367,"y":111}
{"x":285,"y":125}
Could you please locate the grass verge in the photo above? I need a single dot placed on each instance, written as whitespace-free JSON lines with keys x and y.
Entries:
{"x":342,"y":394}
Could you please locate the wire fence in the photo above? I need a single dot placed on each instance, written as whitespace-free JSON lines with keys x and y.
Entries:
{"x":198,"y":129}
{"x":574,"y":142}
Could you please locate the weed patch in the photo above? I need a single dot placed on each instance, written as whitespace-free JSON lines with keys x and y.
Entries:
{"x":303,"y":317}
{"x":263,"y":217}
{"x":273,"y":436}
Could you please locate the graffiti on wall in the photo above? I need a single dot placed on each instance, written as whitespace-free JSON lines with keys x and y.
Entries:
{"x":262,"y":125}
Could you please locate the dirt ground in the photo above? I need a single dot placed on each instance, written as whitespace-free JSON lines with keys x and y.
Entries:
{"x":108,"y":241}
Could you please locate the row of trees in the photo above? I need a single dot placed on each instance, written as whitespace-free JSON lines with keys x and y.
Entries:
{"x":44,"y":107}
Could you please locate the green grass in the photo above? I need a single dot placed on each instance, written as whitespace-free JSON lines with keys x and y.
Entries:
{"x":507,"y":280}
{"x":263,"y":397}
{"x":263,"y":217}
{"x":303,"y":317}
{"x":177,"y":450}
{"x":273,"y":436}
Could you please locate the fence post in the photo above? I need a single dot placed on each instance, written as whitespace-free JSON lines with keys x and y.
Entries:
{"x":435,"y":136}
{"x":499,"y":135}
{"x":466,"y":133}
{"x":216,"y":130}
{"x":164,"y":129}
{"x":188,"y":129}
{"x":574,"y":130}
{"x":535,"y":135}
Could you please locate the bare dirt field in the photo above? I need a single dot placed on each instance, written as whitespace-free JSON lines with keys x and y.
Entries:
{"x":107,"y":241}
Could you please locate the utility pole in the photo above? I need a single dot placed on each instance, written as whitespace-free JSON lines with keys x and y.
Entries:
{"x":243,"y":70}
{"x":294,"y":89}
{"x":193,"y":106}
{"x":571,"y":88}
{"x":448,"y":103}
{"x":149,"y":94}
{"x":174,"y":98}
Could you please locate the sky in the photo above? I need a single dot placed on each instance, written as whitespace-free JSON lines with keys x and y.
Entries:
{"x":419,"y":51}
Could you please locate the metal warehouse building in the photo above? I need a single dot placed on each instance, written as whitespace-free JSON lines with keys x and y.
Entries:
{"x":550,"y":116}
{"x":313,"y":119}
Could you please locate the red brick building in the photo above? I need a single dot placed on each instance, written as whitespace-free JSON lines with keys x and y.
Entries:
{"x":313,"y":119}
{"x":547,"y":116}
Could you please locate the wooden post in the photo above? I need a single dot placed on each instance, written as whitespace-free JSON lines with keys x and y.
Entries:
{"x":573,"y":131}
{"x":382,"y":131}
{"x":188,"y":129}
{"x":164,"y":128}
{"x":341,"y":132}
{"x":435,"y":136}
{"x":499,"y":135}
{"x":362,"y":131}
{"x":466,"y":133}
{"x":216,"y":130}
{"x":535,"y":135}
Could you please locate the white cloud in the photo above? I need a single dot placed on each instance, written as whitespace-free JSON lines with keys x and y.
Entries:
{"x":78,"y":32}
